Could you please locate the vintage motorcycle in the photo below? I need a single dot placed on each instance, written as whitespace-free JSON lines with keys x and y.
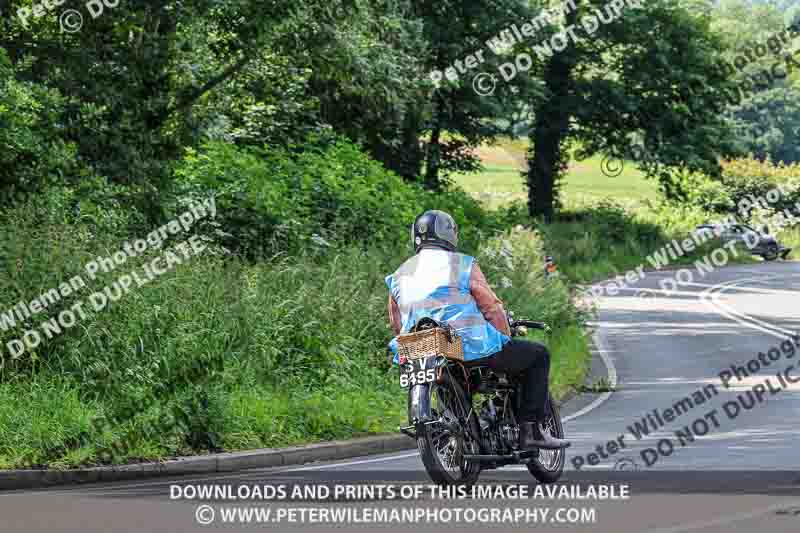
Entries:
{"x":463,"y":415}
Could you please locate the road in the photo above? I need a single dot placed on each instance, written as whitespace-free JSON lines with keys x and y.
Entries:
{"x":730,"y":472}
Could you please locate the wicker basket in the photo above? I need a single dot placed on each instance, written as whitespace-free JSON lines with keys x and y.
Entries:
{"x":430,"y":342}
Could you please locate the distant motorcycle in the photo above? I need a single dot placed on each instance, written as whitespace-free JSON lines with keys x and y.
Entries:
{"x":759,"y":242}
{"x":463,"y":414}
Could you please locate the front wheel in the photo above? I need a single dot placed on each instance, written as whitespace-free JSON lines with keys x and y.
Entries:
{"x":548,"y":465}
{"x":453,"y":431}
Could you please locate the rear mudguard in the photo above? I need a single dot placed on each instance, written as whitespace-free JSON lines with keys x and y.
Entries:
{"x":419,"y":399}
{"x":419,"y":404}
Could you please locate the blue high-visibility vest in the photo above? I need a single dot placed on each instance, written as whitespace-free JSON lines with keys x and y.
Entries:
{"x":435,"y":284}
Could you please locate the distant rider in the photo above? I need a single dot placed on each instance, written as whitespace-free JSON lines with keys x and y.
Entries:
{"x":449,"y":287}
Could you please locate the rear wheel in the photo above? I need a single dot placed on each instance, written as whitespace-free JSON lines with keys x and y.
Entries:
{"x":548,"y":465}
{"x":454,"y":432}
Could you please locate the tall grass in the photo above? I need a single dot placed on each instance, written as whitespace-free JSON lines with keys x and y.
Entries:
{"x":224,"y":354}
{"x":515,"y":262}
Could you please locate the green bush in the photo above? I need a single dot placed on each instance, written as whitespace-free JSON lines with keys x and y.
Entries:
{"x":600,"y":239}
{"x":41,"y":421}
{"x":750,"y":177}
{"x":274,"y":199}
{"x":704,"y":193}
{"x":514,"y":262}
{"x":32,"y":150}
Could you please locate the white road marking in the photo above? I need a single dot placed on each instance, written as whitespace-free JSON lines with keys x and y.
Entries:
{"x":350,"y":463}
{"x":665,"y":292}
{"x":763,"y":290}
{"x":612,"y":379}
{"x":711,"y":299}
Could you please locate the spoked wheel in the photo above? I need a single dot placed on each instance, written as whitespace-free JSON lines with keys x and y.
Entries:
{"x":442,"y":444}
{"x":548,"y":465}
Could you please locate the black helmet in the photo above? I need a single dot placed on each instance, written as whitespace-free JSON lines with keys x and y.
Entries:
{"x":435,"y":227}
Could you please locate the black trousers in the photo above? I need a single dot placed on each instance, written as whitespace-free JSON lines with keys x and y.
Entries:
{"x":531,"y":360}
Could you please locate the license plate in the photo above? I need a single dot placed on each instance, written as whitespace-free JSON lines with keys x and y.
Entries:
{"x":415,"y":373}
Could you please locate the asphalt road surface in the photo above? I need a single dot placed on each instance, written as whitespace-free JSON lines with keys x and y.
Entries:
{"x":732,"y":466}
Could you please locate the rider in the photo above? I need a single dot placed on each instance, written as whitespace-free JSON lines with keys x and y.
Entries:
{"x":440,"y":283}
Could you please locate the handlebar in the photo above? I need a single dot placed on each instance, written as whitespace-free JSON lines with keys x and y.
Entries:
{"x":530,"y":324}
{"x":520,"y":327}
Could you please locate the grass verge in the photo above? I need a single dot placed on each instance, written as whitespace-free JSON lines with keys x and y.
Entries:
{"x":222,"y":354}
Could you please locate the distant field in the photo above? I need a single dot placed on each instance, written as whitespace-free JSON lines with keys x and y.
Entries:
{"x":500,"y":181}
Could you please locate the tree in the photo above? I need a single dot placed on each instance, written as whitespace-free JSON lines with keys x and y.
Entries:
{"x":411,"y":124}
{"x":364,"y":70}
{"x":768,"y":125}
{"x":652,"y":71}
{"x":131,"y":76}
{"x":765,"y":113}
{"x":461,"y":118}
{"x":32,"y":150}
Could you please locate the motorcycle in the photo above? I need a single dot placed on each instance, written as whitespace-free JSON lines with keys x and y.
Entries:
{"x":463,"y":417}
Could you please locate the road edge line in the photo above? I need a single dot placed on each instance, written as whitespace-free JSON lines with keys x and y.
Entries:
{"x":264,"y":458}
{"x":213,"y":463}
{"x":612,"y":377}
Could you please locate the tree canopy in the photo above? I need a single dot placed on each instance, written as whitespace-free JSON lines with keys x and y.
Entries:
{"x":125,"y":95}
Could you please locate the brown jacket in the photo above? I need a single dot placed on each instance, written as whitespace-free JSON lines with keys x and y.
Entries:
{"x":489,"y":304}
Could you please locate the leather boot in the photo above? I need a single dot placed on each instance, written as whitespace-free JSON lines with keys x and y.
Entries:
{"x":533,"y":435}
